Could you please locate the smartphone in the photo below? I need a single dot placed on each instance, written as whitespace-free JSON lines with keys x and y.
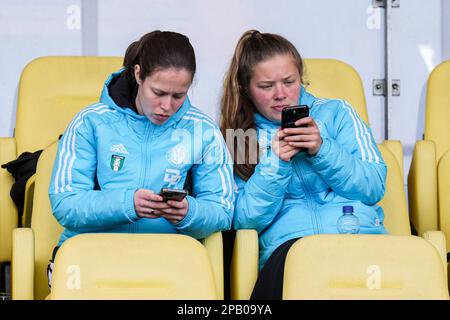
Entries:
{"x":173,"y":194}
{"x":291,"y":114}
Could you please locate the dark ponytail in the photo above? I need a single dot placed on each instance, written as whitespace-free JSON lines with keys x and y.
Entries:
{"x":158,"y":50}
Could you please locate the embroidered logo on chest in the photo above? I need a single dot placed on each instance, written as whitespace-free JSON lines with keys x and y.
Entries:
{"x":117,"y":162}
{"x":118,"y":148}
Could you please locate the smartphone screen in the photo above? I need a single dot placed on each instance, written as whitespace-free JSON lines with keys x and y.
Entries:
{"x":173,"y":194}
{"x":290,"y":115}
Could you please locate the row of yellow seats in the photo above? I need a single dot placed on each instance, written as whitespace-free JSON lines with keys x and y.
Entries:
{"x":171,"y":266}
{"x":80,"y":79}
{"x":148,"y":266}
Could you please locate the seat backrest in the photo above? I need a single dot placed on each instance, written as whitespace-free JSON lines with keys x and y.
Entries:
{"x":334,"y":79}
{"x":437,"y":109}
{"x":133,"y":266}
{"x":46,"y":228}
{"x":331,"y":78}
{"x":52,"y":90}
{"x":396,"y":217}
{"x":364,"y":267}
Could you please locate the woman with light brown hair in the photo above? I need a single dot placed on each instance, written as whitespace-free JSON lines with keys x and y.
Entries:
{"x":294,"y":182}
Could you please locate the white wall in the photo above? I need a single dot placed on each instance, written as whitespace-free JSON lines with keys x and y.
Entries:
{"x":322,"y":29}
{"x":445,"y":34}
{"x":416,"y":49}
{"x":349,"y":30}
{"x":29,"y":29}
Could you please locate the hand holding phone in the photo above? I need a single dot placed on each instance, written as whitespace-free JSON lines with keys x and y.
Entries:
{"x":173,"y":194}
{"x":148,"y":204}
{"x":305,"y":137}
{"x":290,"y":115}
{"x":178,"y":208}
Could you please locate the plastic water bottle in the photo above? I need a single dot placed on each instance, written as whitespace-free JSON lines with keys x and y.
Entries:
{"x":348,"y":222}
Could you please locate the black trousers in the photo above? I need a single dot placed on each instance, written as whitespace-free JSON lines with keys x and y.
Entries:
{"x":228,"y":244}
{"x":269,"y":285}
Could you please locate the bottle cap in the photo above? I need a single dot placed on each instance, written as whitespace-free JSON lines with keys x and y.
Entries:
{"x":347,"y":209}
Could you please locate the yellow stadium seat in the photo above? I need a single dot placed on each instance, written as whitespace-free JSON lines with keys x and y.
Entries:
{"x":334,"y":79}
{"x":8,"y":210}
{"x":133,"y":266}
{"x":51,"y":91}
{"x":364,"y":267}
{"x":32,"y":247}
{"x":32,"y":250}
{"x":429,"y":174}
{"x":244,"y":270}
{"x":321,"y":74}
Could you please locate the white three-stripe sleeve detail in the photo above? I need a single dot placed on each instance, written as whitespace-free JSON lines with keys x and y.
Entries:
{"x":366,"y":137}
{"x":369,"y":141}
{"x":228,"y":194}
{"x":68,"y":150}
{"x":225,"y":178}
{"x":69,"y":170}
{"x":357,"y":135}
{"x":361,"y":130}
{"x":64,"y":148}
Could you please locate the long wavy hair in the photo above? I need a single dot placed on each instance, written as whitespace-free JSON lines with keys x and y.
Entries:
{"x":237,"y":108}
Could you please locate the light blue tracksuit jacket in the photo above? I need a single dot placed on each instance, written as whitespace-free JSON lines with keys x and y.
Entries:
{"x":125,"y":152}
{"x":285,"y":200}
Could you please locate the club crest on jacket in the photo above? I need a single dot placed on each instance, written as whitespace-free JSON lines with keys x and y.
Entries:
{"x":117,"y":162}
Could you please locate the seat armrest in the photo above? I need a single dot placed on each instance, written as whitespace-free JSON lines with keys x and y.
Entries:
{"x":437,"y":239}
{"x":395,"y":146}
{"x":22,"y":264}
{"x":422,"y":187}
{"x":244,"y":264}
{"x":443,"y":178}
{"x":8,"y":211}
{"x":214,"y":246}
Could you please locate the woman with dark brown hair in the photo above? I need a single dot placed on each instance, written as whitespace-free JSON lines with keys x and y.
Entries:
{"x":117,"y":156}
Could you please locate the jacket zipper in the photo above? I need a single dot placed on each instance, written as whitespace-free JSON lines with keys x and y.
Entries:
{"x":311,"y":206}
{"x":145,"y":151}
{"x":146,"y":162}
